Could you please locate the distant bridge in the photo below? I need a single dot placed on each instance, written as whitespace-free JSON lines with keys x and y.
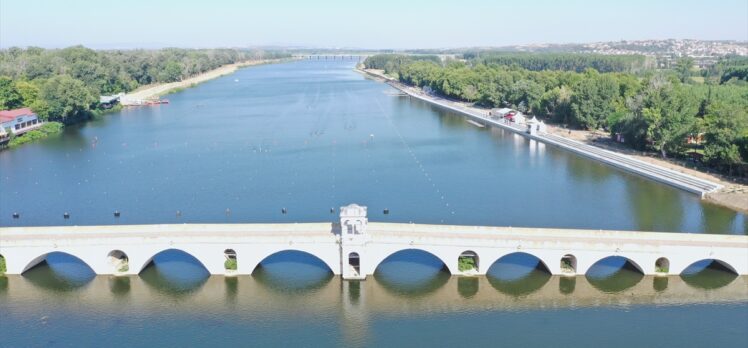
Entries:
{"x":354,"y":247}
{"x":356,"y":57}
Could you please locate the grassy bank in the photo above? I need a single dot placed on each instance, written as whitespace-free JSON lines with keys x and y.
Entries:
{"x":47,"y":129}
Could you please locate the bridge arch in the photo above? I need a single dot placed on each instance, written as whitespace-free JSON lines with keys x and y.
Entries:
{"x":43,"y":257}
{"x":330,"y":266}
{"x":515,"y":258}
{"x":518,"y":274}
{"x":389,"y":254}
{"x":150,"y":259}
{"x":628,"y":261}
{"x":712,"y":263}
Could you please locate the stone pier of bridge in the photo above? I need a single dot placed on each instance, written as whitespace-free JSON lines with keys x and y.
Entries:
{"x":354,"y":247}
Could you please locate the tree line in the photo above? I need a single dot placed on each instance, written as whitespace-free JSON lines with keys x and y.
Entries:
{"x":64,"y":84}
{"x":651,"y":110}
{"x":560,"y":61}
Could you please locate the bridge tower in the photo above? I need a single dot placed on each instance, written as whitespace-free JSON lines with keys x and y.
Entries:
{"x":353,"y":240}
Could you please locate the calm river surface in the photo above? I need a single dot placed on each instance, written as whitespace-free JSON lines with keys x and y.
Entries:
{"x":313,"y":135}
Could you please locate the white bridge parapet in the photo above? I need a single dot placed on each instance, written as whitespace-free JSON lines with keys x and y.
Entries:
{"x":354,"y":247}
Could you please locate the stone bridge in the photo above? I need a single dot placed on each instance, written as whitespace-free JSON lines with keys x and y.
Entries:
{"x":354,"y":247}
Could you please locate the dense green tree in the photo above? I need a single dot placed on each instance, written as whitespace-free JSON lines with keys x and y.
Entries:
{"x":592,"y":101}
{"x":171,"y":72}
{"x":651,"y":111}
{"x":63,"y":98}
{"x":725,"y":130}
{"x":10,"y":98}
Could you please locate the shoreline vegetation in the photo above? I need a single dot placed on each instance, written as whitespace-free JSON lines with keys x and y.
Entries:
{"x":733,"y":195}
{"x":63,"y":86}
{"x":162,"y":89}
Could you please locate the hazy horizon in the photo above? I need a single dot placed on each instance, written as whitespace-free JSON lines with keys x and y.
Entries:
{"x":337,"y":24}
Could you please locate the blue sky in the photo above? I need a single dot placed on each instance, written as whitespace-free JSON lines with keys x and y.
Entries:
{"x":363,"y":24}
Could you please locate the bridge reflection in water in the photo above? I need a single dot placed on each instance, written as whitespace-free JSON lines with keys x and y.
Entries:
{"x":439,"y":292}
{"x":290,"y":286}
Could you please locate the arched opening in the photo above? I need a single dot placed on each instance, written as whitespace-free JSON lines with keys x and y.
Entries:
{"x":662,"y":266}
{"x":174,"y":271}
{"x":518,"y":274}
{"x":292,"y":269}
{"x":709,"y":274}
{"x":468,"y":262}
{"x":3,"y":268}
{"x":230,"y":264}
{"x":354,"y":262}
{"x":614,"y":274}
{"x":569,"y":264}
{"x":58,"y":271}
{"x":412,"y":272}
{"x":118,"y":260}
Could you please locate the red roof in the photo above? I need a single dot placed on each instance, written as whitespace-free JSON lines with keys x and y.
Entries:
{"x":8,"y":115}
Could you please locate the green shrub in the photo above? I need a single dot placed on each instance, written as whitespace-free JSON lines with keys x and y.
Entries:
{"x":465,"y":263}
{"x":2,"y":265}
{"x":47,"y":129}
{"x":230,"y":264}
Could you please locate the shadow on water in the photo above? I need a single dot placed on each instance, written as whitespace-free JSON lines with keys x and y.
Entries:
{"x":174,"y":272}
{"x":614,"y":274}
{"x":60,"y":272}
{"x":708,"y":274}
{"x":566,"y":285}
{"x":583,"y":170}
{"x":292,"y":271}
{"x":119,"y":286}
{"x":716,"y":219}
{"x":412,"y":272}
{"x":467,"y":287}
{"x":518,"y":274}
{"x":654,"y":207}
{"x":659,"y":284}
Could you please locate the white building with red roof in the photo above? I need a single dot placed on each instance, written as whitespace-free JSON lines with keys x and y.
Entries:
{"x":19,"y":121}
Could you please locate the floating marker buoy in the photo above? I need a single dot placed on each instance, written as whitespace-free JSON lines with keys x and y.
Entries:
{"x":116,"y":213}
{"x":66,"y":215}
{"x":386,"y":211}
{"x":16,"y":215}
{"x":284,"y":211}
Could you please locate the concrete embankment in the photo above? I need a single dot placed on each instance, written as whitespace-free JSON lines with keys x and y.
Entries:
{"x":673,"y":178}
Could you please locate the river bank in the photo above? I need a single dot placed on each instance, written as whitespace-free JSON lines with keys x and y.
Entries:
{"x":154,"y":91}
{"x":731,"y":194}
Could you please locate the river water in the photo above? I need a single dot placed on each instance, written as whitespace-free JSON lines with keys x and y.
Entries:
{"x":309,"y":136}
